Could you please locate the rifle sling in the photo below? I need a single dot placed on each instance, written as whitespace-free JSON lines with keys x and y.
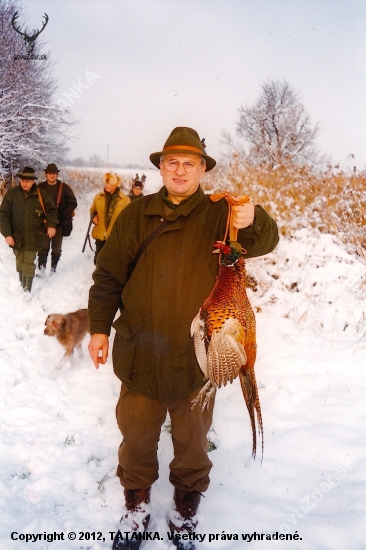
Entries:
{"x":146,"y":243}
{"x":41,"y":201}
{"x":59,"y":194}
{"x":89,"y":241}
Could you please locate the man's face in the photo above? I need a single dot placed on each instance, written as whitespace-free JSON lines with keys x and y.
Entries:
{"x":110,"y":188}
{"x":26,"y":184}
{"x":137,"y":191}
{"x":180,"y":183}
{"x":51,"y":177}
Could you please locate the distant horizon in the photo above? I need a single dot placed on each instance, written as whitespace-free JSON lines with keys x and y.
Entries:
{"x":106,"y":168}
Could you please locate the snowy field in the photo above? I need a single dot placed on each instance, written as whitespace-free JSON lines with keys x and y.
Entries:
{"x":59,"y":438}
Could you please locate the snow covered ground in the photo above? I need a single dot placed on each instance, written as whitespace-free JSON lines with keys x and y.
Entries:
{"x":59,"y":438}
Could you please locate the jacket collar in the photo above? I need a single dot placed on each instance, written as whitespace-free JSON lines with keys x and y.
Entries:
{"x":117,"y":192}
{"x":32,"y":190}
{"x":156,"y":205}
{"x":45,"y":182}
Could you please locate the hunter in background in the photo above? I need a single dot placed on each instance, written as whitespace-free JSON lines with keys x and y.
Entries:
{"x":65,"y":202}
{"x":105,"y":209}
{"x":137,"y":187}
{"x":27,"y":218}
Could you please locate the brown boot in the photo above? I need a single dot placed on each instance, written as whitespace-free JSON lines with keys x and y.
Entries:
{"x":134,"y":520}
{"x":183,"y":518}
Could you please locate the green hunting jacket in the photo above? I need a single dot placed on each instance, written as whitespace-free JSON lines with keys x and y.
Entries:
{"x":153,"y":352}
{"x":22,"y":217}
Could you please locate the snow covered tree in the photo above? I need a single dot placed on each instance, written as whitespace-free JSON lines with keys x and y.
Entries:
{"x":33,"y":129}
{"x":277,"y":127}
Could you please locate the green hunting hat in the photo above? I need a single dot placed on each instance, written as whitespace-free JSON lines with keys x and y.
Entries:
{"x":184,"y":140}
{"x":52,"y":169}
{"x":27,"y":174}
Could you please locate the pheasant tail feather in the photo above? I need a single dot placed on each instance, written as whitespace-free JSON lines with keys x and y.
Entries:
{"x":250,"y":391}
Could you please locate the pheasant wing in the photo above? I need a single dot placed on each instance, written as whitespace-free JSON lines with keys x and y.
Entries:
{"x":197,"y":332}
{"x":225,"y":354}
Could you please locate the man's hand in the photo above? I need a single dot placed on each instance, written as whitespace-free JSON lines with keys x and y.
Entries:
{"x":95,"y":220}
{"x":243,"y":215}
{"x":9,"y":241}
{"x":98,"y":349}
{"x":51,"y":232}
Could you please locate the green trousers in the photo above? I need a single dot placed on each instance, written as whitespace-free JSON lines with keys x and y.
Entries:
{"x":25,"y":262}
{"x":140,"y":420}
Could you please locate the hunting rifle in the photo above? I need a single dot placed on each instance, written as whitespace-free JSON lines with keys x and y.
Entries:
{"x":87,"y":238}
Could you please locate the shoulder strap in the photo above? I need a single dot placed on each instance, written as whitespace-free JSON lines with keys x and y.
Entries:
{"x":41,"y":201}
{"x":58,"y":200}
{"x":146,"y":243}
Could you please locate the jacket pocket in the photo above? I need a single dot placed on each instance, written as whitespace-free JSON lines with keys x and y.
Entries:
{"x":38,"y":213}
{"x":124,"y":347}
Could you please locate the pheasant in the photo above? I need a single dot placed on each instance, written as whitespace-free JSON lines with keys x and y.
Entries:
{"x":223,"y":331}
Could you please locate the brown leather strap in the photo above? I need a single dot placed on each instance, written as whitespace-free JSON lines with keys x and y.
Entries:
{"x":41,"y":201}
{"x":58,"y":200}
{"x":183,"y":147}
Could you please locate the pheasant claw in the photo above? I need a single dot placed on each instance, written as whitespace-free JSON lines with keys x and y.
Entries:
{"x":204,"y":397}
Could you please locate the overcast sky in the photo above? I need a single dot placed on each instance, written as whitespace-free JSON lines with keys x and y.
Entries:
{"x":157,"y":64}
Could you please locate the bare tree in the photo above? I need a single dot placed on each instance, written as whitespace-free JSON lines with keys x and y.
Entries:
{"x":95,"y":161}
{"x":32,"y":128}
{"x":78,"y":162}
{"x":278,"y":128}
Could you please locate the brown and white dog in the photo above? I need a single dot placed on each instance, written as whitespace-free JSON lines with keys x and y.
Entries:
{"x":70,"y":330}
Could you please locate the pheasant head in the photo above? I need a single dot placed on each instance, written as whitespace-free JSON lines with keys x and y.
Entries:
{"x":230,"y":251}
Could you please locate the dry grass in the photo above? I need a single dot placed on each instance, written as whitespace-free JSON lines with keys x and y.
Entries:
{"x":2,"y":189}
{"x":89,"y":179}
{"x":333,"y":202}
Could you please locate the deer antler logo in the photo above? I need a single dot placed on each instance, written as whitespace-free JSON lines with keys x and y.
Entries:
{"x":33,"y":37}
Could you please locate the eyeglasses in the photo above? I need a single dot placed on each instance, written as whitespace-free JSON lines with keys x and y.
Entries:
{"x":173,"y":165}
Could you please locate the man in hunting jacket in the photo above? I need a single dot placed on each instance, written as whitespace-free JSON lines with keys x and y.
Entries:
{"x":153,"y":352}
{"x":23,"y":213}
{"x":106,"y":207}
{"x":64,"y":199}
